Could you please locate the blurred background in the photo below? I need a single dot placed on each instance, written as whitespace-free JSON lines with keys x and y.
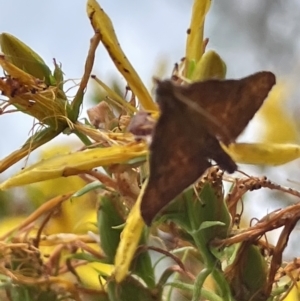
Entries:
{"x":250,"y":35}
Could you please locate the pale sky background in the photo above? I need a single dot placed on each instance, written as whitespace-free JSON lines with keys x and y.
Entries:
{"x":250,"y":35}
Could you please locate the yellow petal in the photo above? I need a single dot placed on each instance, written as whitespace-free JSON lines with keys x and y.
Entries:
{"x":294,"y":294}
{"x":102,"y":23}
{"x":130,"y":238}
{"x":263,"y":153}
{"x":278,"y":126}
{"x":194,"y":43}
{"x":72,"y":164}
{"x":89,"y":273}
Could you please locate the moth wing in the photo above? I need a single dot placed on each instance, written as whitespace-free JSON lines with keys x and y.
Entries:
{"x":232,"y":102}
{"x":174,"y":165}
{"x":181,"y":147}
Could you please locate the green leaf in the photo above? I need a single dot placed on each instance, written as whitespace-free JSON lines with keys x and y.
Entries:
{"x":131,"y":289}
{"x":142,"y":265}
{"x":109,"y":218}
{"x":210,"y":224}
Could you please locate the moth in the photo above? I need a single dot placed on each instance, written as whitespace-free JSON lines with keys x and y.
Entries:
{"x":194,"y":118}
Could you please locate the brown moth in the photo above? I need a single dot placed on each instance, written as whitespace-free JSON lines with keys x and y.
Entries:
{"x":186,"y":137}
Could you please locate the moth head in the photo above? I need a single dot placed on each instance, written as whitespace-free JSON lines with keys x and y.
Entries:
{"x":165,"y":95}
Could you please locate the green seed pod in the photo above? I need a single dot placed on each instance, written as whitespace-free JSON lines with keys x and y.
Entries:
{"x":205,"y":215}
{"x":109,"y":217}
{"x":247,"y":275}
{"x":213,"y":210}
{"x":210,"y":66}
{"x":24,"y":57}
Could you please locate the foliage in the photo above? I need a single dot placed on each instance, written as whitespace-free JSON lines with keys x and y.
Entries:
{"x":86,"y":239}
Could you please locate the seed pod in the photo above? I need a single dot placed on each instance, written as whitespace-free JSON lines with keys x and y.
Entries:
{"x":247,"y":275}
{"x":210,"y":66}
{"x":24,"y":57}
